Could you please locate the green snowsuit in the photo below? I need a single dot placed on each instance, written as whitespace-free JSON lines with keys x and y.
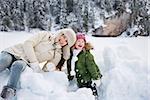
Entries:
{"x":85,"y":68}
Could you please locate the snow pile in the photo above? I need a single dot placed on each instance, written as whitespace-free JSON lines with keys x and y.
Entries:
{"x":45,"y":86}
{"x":126,"y":76}
{"x":123,"y":63}
{"x":48,"y":85}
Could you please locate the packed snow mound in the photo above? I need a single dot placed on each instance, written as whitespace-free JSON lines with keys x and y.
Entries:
{"x":46,"y":86}
{"x":123,"y":63}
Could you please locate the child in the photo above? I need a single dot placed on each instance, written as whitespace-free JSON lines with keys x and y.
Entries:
{"x":82,"y":65}
{"x":39,"y":48}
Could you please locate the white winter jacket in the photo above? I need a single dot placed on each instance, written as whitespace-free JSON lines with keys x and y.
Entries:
{"x":39,"y":48}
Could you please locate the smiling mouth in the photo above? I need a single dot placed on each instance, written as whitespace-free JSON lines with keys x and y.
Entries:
{"x":80,"y":45}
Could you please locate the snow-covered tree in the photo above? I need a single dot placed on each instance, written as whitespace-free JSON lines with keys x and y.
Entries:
{"x":63,"y":15}
{"x":81,"y":15}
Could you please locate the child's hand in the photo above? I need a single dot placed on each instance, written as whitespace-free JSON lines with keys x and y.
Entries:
{"x":97,"y":82}
{"x":70,"y":78}
{"x":72,"y":73}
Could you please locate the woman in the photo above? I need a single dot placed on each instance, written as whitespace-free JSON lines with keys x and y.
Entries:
{"x":39,"y":48}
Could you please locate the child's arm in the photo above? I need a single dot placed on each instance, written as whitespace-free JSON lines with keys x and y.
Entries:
{"x":92,"y":67}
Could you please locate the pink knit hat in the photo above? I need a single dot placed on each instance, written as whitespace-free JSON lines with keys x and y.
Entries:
{"x":81,"y":36}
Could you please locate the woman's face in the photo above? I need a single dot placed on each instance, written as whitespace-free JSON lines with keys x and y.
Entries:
{"x":80,"y":43}
{"x":62,"y":40}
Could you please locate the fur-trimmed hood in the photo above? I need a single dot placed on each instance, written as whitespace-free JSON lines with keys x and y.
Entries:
{"x":88,"y":46}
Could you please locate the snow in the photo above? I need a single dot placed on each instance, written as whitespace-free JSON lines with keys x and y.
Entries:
{"x":123,"y":63}
{"x":127,"y":8}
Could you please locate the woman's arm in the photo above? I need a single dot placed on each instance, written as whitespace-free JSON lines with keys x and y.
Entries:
{"x":29,"y":45}
{"x":51,"y":65}
{"x":60,"y":64}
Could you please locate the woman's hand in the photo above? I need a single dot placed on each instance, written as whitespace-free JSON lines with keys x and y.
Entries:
{"x":49,"y":67}
{"x":36,"y":67}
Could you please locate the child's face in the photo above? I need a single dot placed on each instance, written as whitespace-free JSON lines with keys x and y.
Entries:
{"x":80,"y":43}
{"x":63,"y":40}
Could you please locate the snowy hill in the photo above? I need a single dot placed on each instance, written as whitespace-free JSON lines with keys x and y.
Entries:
{"x":123,"y":63}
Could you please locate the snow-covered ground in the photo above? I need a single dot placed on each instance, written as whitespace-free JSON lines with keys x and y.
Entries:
{"x":123,"y":63}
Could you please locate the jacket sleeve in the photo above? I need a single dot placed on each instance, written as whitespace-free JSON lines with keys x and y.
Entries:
{"x":92,"y":67}
{"x":29,"y":45}
{"x":57,"y":57}
{"x":69,"y":67}
{"x":54,"y":61}
{"x":60,"y":64}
